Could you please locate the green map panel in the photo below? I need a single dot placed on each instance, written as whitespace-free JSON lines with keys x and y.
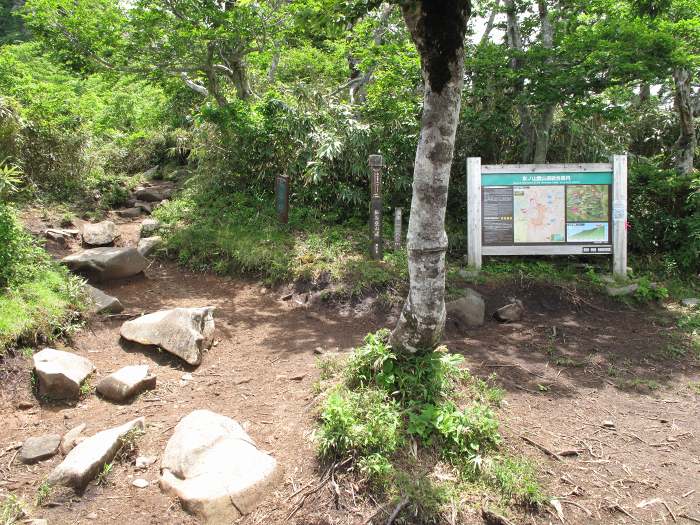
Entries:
{"x":587,"y":203}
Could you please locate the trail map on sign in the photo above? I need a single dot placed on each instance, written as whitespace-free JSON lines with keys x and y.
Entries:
{"x":587,"y":203}
{"x":539,"y":214}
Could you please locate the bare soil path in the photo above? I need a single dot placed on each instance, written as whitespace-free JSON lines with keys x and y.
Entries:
{"x":579,"y":378}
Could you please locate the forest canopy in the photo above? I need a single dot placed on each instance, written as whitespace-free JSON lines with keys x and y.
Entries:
{"x":238,"y":92}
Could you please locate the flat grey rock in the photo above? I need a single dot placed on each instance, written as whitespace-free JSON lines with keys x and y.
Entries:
{"x":468,"y":311}
{"x":185,"y":332}
{"x":149,"y":227}
{"x":691,"y":301}
{"x":152,"y":194}
{"x":60,"y":374}
{"x":85,"y":461}
{"x":103,"y":264}
{"x":126,"y":383}
{"x":618,"y":291}
{"x":71,"y":438}
{"x":148,"y":245}
{"x":130,"y":213}
{"x":510,"y":313}
{"x":40,"y":447}
{"x":99,"y":234}
{"x":215,"y":469}
{"x":103,"y":303}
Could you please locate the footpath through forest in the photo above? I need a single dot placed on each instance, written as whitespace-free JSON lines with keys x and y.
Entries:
{"x":593,"y":398}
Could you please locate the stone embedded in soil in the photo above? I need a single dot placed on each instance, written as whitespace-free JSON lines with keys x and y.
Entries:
{"x":214,"y":468}
{"x":143,"y":462}
{"x":103,"y":303}
{"x":85,"y":461}
{"x":618,"y":291}
{"x":71,"y":438}
{"x":130,"y":213}
{"x":103,"y":264}
{"x":146,"y":207}
{"x":126,"y":383}
{"x":510,"y":313}
{"x":151,"y":194}
{"x":140,"y":483}
{"x":185,"y":332}
{"x":39,"y":447}
{"x":149,"y":227}
{"x":60,"y":374}
{"x":99,"y":234}
{"x":149,"y":244}
{"x":691,"y":301}
{"x":467,"y":311}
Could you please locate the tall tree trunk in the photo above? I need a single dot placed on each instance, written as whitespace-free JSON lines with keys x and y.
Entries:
{"x":546,"y":117}
{"x":437,"y":28}
{"x":687,"y":139}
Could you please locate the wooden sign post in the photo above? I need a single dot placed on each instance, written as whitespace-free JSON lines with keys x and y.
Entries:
{"x":548,"y":209}
{"x":376,"y":249}
{"x":398,"y":226}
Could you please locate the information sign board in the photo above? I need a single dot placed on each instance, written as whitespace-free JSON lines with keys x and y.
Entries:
{"x":546,"y":209}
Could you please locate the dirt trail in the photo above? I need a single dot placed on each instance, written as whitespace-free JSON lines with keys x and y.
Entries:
{"x":262,"y":367}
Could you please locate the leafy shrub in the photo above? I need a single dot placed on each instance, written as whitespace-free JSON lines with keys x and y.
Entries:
{"x":20,"y":257}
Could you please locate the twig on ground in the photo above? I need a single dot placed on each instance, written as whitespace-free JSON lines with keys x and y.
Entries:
{"x":688,"y":517}
{"x":673,"y":516}
{"x":584,"y":509}
{"x":541,"y":447}
{"x":397,"y":509}
{"x":491,"y":518}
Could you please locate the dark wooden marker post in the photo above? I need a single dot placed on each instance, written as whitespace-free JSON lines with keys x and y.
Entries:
{"x":282,"y":198}
{"x":376,"y":248}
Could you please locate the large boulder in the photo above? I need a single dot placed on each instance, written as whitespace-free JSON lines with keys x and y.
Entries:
{"x":148,"y":245}
{"x":152,"y":194}
{"x":215,"y":469}
{"x":126,"y":383}
{"x":185,"y":332}
{"x":103,"y":264}
{"x":39,"y":447}
{"x":468,"y":311}
{"x":60,"y":374}
{"x":99,"y":234}
{"x":101,"y":302}
{"x":87,"y":458}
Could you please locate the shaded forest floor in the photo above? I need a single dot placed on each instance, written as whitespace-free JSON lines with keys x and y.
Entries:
{"x":609,"y":391}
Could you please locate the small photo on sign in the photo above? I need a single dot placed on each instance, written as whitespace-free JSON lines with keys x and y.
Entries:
{"x":587,"y":232}
{"x":587,"y":203}
{"x":538,"y":214}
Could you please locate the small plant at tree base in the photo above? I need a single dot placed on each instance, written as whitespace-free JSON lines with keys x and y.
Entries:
{"x":392,"y":409}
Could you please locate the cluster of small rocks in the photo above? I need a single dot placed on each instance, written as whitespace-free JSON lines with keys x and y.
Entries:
{"x":469,"y":311}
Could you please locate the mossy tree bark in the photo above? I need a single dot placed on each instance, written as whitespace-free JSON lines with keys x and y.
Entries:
{"x":437,"y":28}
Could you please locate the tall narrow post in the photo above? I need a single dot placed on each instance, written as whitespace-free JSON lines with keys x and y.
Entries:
{"x":282,"y":198}
{"x":474,"y":212}
{"x":376,"y":249}
{"x":398,"y":227}
{"x":620,"y":215}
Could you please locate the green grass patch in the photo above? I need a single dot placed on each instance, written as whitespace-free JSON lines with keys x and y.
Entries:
{"x":42,"y":307}
{"x":239,"y":234}
{"x":403,"y":420}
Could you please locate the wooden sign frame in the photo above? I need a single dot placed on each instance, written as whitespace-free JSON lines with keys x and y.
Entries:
{"x":527,"y":176}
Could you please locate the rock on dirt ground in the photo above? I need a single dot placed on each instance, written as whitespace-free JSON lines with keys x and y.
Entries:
{"x":84,"y":462}
{"x":103,"y":264}
{"x":126,"y":382}
{"x":38,"y":448}
{"x":99,"y":233}
{"x":185,"y":332}
{"x":213,"y":466}
{"x":468,"y":311}
{"x":101,"y":302}
{"x":60,"y":374}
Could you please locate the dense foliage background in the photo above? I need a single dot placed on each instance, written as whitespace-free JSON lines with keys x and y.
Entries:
{"x":229,"y":96}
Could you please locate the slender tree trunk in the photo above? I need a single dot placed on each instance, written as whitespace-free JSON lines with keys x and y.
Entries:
{"x":687,"y":139}
{"x":542,"y":135}
{"x":437,"y":28}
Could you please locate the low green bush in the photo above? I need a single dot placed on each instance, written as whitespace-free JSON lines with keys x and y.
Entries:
{"x":387,"y":401}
